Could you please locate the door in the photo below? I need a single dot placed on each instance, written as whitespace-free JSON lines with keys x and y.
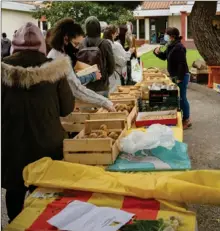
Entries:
{"x":153,"y":32}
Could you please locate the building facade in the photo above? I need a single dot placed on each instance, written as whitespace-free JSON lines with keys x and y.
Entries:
{"x":152,"y":19}
{"x":14,"y":14}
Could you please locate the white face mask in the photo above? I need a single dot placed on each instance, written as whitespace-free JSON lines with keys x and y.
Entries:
{"x":166,"y":38}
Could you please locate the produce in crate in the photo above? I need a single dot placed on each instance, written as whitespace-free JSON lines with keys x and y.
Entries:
{"x":120,"y":108}
{"x":127,"y":89}
{"x":103,"y":132}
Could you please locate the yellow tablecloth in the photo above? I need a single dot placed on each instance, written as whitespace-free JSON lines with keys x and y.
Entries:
{"x":201,"y":186}
{"x":38,"y":210}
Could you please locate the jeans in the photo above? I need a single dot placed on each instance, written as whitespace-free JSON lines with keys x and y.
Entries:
{"x":184,"y":104}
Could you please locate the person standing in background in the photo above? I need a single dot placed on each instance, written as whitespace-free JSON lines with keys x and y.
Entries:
{"x":5,"y":46}
{"x":121,"y":57}
{"x":95,"y":50}
{"x":127,"y":44}
{"x":177,"y":66}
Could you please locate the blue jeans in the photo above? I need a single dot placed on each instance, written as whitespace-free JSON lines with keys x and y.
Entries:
{"x":184,"y":104}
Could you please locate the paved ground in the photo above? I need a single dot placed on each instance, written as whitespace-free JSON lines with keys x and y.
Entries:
{"x":204,"y":147}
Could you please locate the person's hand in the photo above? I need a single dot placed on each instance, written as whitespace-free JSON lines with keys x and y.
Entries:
{"x":132,"y":50}
{"x":157,"y":50}
{"x":98,"y":75}
{"x":111,"y":109}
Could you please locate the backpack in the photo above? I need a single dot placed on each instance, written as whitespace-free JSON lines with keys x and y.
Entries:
{"x":91,"y":55}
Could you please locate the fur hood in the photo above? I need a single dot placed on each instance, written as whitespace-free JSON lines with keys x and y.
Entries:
{"x":27,"y":77}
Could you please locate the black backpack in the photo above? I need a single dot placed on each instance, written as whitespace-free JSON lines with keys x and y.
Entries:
{"x":91,"y":55}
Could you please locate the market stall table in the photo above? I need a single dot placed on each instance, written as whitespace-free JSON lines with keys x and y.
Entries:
{"x":44,"y":204}
{"x":41,"y":206}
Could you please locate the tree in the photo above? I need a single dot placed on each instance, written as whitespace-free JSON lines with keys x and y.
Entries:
{"x":206,"y":37}
{"x":79,"y":11}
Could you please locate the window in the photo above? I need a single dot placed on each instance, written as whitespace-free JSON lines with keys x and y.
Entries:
{"x":189,"y":31}
{"x":216,"y":22}
{"x":142,"y":28}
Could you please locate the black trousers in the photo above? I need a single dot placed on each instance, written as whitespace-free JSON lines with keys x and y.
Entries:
{"x":15,"y":201}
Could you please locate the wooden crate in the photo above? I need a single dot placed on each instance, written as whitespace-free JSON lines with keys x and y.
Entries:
{"x":121,"y":96}
{"x":100,"y":151}
{"x":151,"y":70}
{"x":154,"y":76}
{"x":85,"y":107}
{"x":75,"y":121}
{"x":127,"y":89}
{"x":129,"y":119}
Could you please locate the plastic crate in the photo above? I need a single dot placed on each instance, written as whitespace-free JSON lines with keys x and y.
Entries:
{"x":144,"y":106}
{"x":216,"y":87}
{"x":164,"y":97}
{"x":214,"y":75}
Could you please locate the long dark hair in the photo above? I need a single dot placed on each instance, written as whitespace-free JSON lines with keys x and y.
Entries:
{"x":109,"y":31}
{"x":64,"y":27}
{"x":122,"y":34}
{"x":174,"y":32}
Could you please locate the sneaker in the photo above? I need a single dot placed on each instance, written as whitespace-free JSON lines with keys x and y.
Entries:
{"x":186,"y":124}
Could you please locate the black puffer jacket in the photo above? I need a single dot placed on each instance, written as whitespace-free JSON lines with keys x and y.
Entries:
{"x":35,"y":93}
{"x":175,"y":54}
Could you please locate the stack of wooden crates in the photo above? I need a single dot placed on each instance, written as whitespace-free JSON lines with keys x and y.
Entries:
{"x":96,"y":151}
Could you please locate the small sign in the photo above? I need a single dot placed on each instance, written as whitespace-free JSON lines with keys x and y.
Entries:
{"x":153,"y":27}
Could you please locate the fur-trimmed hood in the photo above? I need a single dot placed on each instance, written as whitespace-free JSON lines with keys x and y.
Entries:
{"x":26,"y":77}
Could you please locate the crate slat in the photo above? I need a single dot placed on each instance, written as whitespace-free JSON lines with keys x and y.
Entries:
{"x":70,"y":127}
{"x":89,"y":159}
{"x":87,"y":145}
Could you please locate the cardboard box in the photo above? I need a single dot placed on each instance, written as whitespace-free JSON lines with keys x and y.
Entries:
{"x":157,"y":117}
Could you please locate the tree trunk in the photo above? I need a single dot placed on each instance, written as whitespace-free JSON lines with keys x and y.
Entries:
{"x":206,"y":37}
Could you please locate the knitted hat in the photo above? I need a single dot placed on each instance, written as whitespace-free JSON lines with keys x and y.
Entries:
{"x":28,"y":37}
{"x":93,"y":27}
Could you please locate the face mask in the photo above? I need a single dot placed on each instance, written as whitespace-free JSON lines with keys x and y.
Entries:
{"x":166,"y":38}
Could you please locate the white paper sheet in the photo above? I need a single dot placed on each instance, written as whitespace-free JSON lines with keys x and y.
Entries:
{"x":87,"y":217}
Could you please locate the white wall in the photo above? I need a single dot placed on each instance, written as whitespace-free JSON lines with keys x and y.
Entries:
{"x":13,"y":20}
{"x":175,"y":21}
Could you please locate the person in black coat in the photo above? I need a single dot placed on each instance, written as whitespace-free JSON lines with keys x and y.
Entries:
{"x":35,"y":93}
{"x":175,"y":54}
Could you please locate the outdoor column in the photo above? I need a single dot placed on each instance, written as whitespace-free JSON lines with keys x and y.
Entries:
{"x":147,"y":29}
{"x":138,"y":33}
{"x":48,"y":25}
{"x":183,"y":26}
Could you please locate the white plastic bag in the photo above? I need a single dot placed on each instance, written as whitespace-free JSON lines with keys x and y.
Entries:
{"x":136,"y":71}
{"x":156,"y":135}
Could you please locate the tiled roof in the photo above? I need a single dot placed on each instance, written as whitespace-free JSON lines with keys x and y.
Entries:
{"x":178,"y":3}
{"x":160,"y":5}
{"x":155,"y":5}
